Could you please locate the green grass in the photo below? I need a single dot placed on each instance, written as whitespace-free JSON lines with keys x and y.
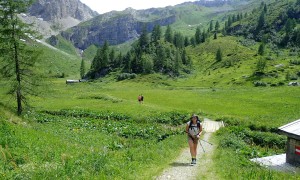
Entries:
{"x":50,"y":146}
{"x":237,"y":144}
{"x":68,"y":147}
{"x":89,"y":53}
{"x":98,"y":130}
{"x":66,"y":46}
{"x":54,"y":63}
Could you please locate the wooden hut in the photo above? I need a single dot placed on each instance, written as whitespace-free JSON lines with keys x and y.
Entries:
{"x":292,"y":131}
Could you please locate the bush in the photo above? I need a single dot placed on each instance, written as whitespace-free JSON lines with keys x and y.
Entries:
{"x":259,"y":83}
{"x":247,"y":42}
{"x":289,"y":76}
{"x":124,"y":76}
{"x":295,"y":62}
{"x":171,"y":118}
{"x":106,"y":115}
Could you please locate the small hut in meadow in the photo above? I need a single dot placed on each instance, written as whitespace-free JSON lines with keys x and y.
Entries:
{"x":292,"y":131}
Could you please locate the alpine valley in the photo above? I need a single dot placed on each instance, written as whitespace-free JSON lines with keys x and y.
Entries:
{"x":71,"y":78}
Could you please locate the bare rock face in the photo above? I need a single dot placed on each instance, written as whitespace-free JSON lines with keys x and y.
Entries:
{"x":116,"y":27}
{"x":53,"y":10}
{"x":50,"y":17}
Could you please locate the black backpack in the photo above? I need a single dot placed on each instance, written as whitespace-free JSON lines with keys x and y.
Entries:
{"x":198,"y":123}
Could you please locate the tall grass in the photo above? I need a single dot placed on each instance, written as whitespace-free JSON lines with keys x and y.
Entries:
{"x":67,"y":146}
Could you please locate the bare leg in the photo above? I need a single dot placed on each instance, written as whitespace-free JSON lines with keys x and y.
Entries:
{"x":192,"y":149}
{"x":195,"y":149}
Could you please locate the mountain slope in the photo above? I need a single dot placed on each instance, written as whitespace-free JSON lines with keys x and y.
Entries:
{"x":116,"y":27}
{"x":119,"y":27}
{"x":52,"y":16}
{"x":52,"y":10}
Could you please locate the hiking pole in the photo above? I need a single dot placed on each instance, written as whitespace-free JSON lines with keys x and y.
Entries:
{"x":202,"y":146}
{"x":206,"y":142}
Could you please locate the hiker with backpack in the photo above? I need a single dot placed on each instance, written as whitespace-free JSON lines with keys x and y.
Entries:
{"x":193,"y":130}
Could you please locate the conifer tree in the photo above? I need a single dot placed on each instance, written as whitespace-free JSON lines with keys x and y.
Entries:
{"x":105,"y":55}
{"x":178,"y":40}
{"x":203,"y":39}
{"x":261,"y":49}
{"x":211,"y":26}
{"x":169,"y":34}
{"x":265,"y":8}
{"x":177,"y":63}
{"x":229,"y":22}
{"x":193,"y":41}
{"x":82,"y":68}
{"x":198,"y":36}
{"x":219,"y":55}
{"x":289,"y":26}
{"x":186,"y":41}
{"x":261,"y":22}
{"x":238,"y":18}
{"x":101,"y":60}
{"x":160,"y":58}
{"x":233,"y":18}
{"x":261,"y":65}
{"x":127,"y":62}
{"x":17,"y":56}
{"x":112,"y":58}
{"x":156,"y":33}
{"x":217,"y":26}
{"x":144,"y":39}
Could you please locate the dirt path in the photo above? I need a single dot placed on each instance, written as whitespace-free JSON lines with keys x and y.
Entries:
{"x":181,"y":168}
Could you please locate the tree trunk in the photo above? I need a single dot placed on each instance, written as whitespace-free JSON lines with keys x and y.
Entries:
{"x":18,"y":75}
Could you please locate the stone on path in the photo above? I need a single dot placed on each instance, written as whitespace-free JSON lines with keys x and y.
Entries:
{"x":277,"y":162}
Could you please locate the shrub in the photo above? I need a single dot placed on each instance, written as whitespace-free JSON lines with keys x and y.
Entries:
{"x":259,"y":83}
{"x":295,"y":62}
{"x":124,"y":76}
{"x":232,"y":141}
{"x":247,"y":42}
{"x":172,"y":118}
{"x":289,"y":76}
{"x":106,"y":115}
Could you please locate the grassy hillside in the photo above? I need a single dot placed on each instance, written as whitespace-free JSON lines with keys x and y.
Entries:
{"x":98,"y":130}
{"x":54,"y":63}
{"x":62,"y":44}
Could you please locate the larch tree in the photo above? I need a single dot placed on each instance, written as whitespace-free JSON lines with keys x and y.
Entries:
{"x":18,"y":55}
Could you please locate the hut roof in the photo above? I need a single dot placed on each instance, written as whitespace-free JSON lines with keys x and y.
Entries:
{"x":291,"y":130}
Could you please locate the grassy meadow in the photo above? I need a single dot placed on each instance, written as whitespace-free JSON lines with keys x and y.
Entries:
{"x":98,"y":130}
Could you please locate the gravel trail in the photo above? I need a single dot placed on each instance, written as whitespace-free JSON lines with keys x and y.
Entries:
{"x":181,"y":168}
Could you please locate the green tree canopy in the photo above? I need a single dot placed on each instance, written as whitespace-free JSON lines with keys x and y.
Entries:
{"x":156,"y":33}
{"x":219,"y":55}
{"x":261,"y":49}
{"x":17,"y":54}
{"x":169,"y":34}
{"x":217,"y":26}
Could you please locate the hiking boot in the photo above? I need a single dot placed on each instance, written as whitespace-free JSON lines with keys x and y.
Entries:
{"x":193,"y":161}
